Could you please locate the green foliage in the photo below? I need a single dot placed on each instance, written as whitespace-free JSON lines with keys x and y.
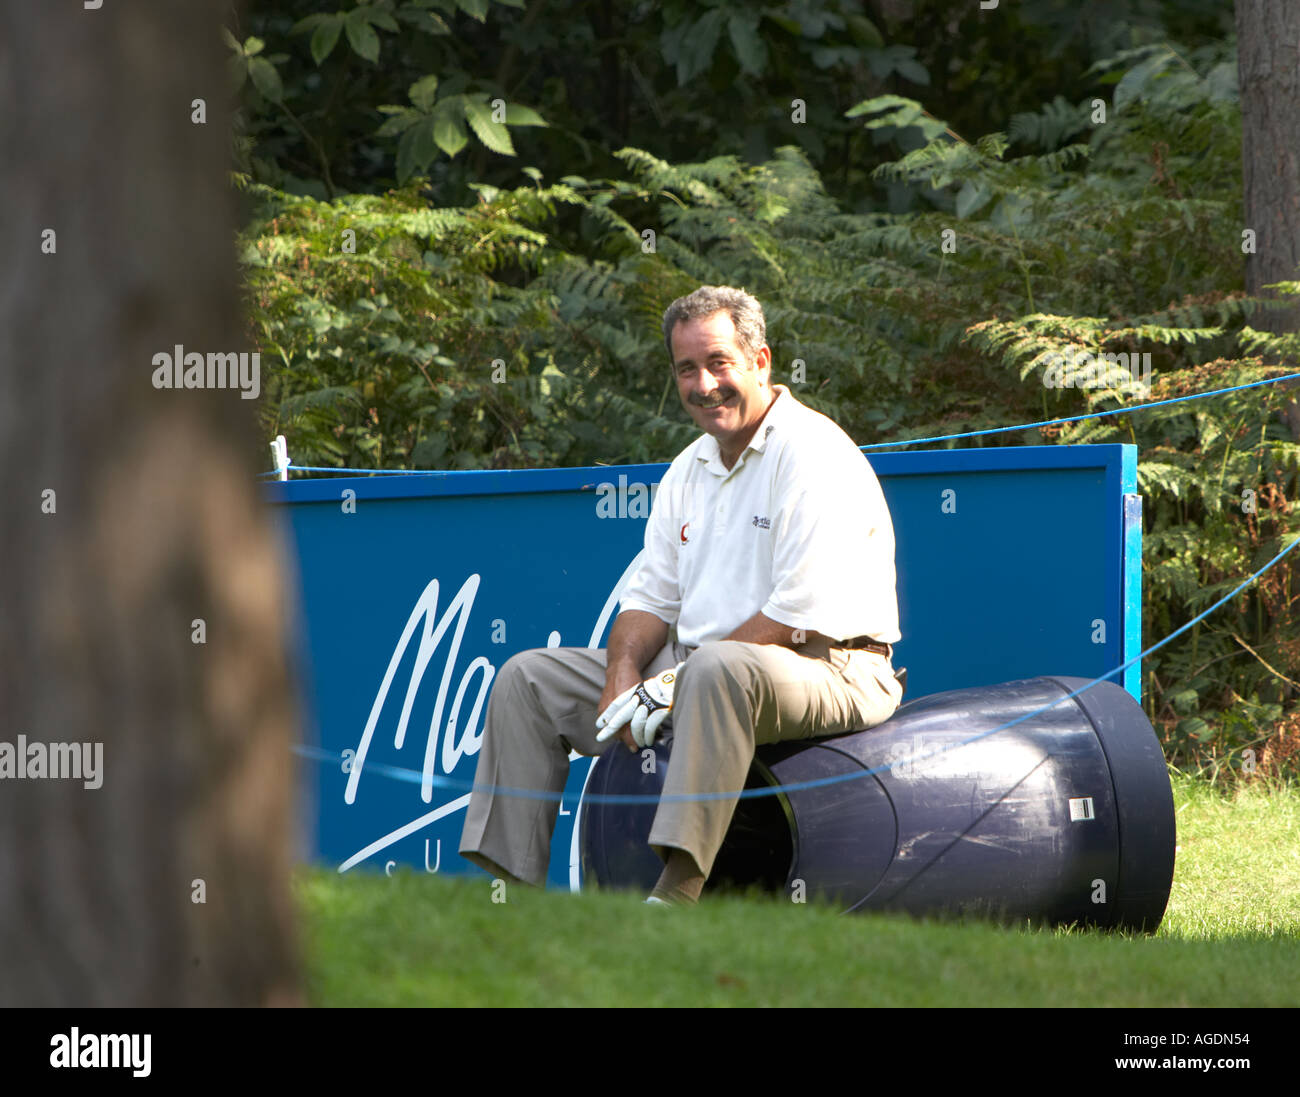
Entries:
{"x":415,"y":351}
{"x":437,"y":122}
{"x":601,"y":75}
{"x":246,"y":64}
{"x":605,"y":76}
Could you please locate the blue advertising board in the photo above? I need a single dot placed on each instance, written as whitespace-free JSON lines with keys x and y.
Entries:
{"x":414,"y":590}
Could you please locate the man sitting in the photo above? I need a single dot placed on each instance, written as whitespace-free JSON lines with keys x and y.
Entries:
{"x":770,"y":548}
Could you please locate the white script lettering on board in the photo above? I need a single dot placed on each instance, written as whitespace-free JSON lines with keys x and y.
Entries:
{"x":455,"y":746}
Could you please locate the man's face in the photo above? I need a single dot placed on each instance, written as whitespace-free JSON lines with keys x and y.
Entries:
{"x":726,"y":395}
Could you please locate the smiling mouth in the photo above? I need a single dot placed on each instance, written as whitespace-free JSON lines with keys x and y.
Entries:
{"x":713,"y":404}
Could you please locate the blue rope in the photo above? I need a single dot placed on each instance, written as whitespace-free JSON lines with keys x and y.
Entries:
{"x":1080,"y":418}
{"x":873,"y":445}
{"x":414,"y":776}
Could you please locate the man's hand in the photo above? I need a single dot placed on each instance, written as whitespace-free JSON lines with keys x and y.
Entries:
{"x":619,"y":680}
{"x":643,"y":708}
{"x":633,"y":641}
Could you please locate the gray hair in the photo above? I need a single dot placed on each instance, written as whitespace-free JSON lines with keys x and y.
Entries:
{"x":745,"y":312}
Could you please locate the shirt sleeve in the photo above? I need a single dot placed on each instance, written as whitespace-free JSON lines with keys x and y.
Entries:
{"x":833,"y":543}
{"x":656,"y":585}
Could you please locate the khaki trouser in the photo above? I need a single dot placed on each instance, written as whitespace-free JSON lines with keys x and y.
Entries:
{"x":729,"y":697}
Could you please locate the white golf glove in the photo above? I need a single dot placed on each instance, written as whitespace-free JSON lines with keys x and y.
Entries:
{"x":646,"y":705}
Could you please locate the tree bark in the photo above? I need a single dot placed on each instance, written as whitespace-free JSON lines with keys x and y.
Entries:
{"x":1268,"y":63}
{"x":155,"y":524}
{"x":1268,"y":43}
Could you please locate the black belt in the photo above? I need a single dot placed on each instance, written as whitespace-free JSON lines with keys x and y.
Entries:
{"x":866,"y":643}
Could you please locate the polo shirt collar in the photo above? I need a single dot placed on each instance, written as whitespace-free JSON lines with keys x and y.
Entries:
{"x":777,"y":415}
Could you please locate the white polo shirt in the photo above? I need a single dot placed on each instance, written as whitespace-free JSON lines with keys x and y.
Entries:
{"x":798,"y":528}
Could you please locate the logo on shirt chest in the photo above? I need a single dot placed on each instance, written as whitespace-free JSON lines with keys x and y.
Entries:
{"x":685,"y":539}
{"x":761,"y":522}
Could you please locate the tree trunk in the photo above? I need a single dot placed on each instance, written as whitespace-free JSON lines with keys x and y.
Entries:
{"x":1268,"y":43}
{"x":129,"y":514}
{"x":1268,"y":63}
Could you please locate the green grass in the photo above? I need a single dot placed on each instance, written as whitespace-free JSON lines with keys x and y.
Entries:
{"x":1231,"y":937}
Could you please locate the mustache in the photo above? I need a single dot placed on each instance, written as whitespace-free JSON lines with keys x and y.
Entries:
{"x":719,"y":397}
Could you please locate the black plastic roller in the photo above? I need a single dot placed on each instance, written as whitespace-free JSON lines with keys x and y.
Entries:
{"x":1066,"y":817}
